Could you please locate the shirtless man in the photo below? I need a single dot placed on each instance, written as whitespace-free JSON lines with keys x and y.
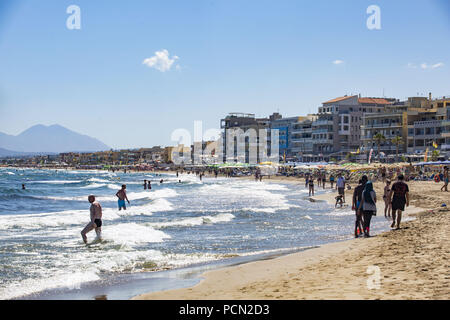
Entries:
{"x":122,"y":195}
{"x":96,"y":219}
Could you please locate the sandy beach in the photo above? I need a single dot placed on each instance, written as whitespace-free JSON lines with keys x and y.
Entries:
{"x":412,"y":263}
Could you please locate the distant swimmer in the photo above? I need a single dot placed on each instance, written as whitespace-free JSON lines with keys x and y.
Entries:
{"x":161,"y":181}
{"x":23,"y":186}
{"x":149,"y":185}
{"x":96,"y":219}
{"x":145,"y":184}
{"x":122,"y":195}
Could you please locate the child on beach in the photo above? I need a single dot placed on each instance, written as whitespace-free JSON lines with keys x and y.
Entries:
{"x":122,"y":195}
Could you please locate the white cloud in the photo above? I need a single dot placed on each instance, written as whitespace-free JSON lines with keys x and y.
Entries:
{"x":425,"y":66}
{"x":161,"y":61}
{"x":338,"y":62}
{"x":437,"y":65}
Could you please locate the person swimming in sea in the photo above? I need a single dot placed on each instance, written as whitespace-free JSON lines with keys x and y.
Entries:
{"x":96,"y":219}
{"x":122,"y":195}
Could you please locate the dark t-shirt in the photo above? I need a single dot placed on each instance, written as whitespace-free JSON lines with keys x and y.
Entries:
{"x":358,"y":192}
{"x":400,"y":189}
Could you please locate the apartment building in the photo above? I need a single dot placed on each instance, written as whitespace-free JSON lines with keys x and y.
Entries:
{"x":245,"y":122}
{"x":421,"y":123}
{"x":337,"y":130}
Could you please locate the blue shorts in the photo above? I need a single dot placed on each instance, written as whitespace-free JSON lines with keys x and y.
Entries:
{"x":121,"y":204}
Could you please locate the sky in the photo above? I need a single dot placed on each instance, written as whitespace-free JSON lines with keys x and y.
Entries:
{"x":135,"y":71}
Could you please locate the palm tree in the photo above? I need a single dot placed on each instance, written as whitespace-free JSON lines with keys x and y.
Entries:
{"x":397,"y":141}
{"x":379,"y":138}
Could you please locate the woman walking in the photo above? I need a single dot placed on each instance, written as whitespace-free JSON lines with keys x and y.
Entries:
{"x":311,"y":186}
{"x":368,"y":206}
{"x":387,"y":199}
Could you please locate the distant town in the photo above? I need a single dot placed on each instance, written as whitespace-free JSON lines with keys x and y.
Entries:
{"x":350,"y":128}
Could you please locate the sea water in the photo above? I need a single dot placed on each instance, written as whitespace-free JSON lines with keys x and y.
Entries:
{"x":172,"y":226}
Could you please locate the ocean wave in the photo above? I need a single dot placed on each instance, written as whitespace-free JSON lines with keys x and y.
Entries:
{"x":57,"y":181}
{"x":194,"y":221}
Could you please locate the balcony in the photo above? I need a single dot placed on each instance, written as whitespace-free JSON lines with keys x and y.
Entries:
{"x":322,"y":123}
{"x":428,"y":124}
{"x":322,"y":131}
{"x":382,"y":125}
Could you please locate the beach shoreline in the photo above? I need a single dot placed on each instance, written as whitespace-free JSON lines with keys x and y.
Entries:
{"x":411,"y":263}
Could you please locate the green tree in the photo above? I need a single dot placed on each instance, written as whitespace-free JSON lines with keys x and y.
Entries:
{"x":435,"y":155}
{"x":397,"y":141}
{"x":379,"y":138}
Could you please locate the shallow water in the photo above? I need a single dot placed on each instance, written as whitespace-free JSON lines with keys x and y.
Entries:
{"x":173,"y":225}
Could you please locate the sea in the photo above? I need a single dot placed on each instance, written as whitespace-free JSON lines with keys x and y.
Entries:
{"x":164,"y":239}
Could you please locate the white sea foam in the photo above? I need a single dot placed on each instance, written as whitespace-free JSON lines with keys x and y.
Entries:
{"x":57,"y":181}
{"x":193,"y":221}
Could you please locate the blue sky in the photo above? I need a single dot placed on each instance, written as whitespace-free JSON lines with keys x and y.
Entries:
{"x":233,"y":56}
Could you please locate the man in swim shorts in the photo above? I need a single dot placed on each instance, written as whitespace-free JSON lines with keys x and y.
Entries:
{"x":399,"y":198}
{"x":341,"y":186}
{"x":96,"y":219}
{"x":122,"y":195}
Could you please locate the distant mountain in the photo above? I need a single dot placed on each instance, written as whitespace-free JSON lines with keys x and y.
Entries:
{"x":10,"y":153}
{"x":50,"y":139}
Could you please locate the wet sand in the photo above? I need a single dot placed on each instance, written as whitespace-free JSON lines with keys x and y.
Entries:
{"x":412,"y":263}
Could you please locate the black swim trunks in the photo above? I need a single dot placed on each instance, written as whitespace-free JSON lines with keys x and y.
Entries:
{"x":98,"y":222}
{"x":398,"y":203}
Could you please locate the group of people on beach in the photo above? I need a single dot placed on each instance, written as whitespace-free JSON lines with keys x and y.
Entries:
{"x":396,"y":198}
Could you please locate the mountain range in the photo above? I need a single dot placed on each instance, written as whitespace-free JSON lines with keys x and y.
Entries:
{"x":48,"y":139}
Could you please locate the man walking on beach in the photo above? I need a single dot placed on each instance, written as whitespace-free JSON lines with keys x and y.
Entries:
{"x":96,"y":219}
{"x":341,"y":186}
{"x":122,"y":195}
{"x":399,"y":198}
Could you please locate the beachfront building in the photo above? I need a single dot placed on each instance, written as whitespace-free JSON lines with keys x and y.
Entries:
{"x":285,"y":127}
{"x":422,"y":123}
{"x":337,"y":130}
{"x":245,"y":121}
{"x":301,"y":138}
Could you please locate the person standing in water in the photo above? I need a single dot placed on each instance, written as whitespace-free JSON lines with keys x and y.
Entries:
{"x":122,"y":195}
{"x":311,"y":186}
{"x":341,"y":186}
{"x":149,"y":185}
{"x":145,"y":184}
{"x":96,"y":219}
